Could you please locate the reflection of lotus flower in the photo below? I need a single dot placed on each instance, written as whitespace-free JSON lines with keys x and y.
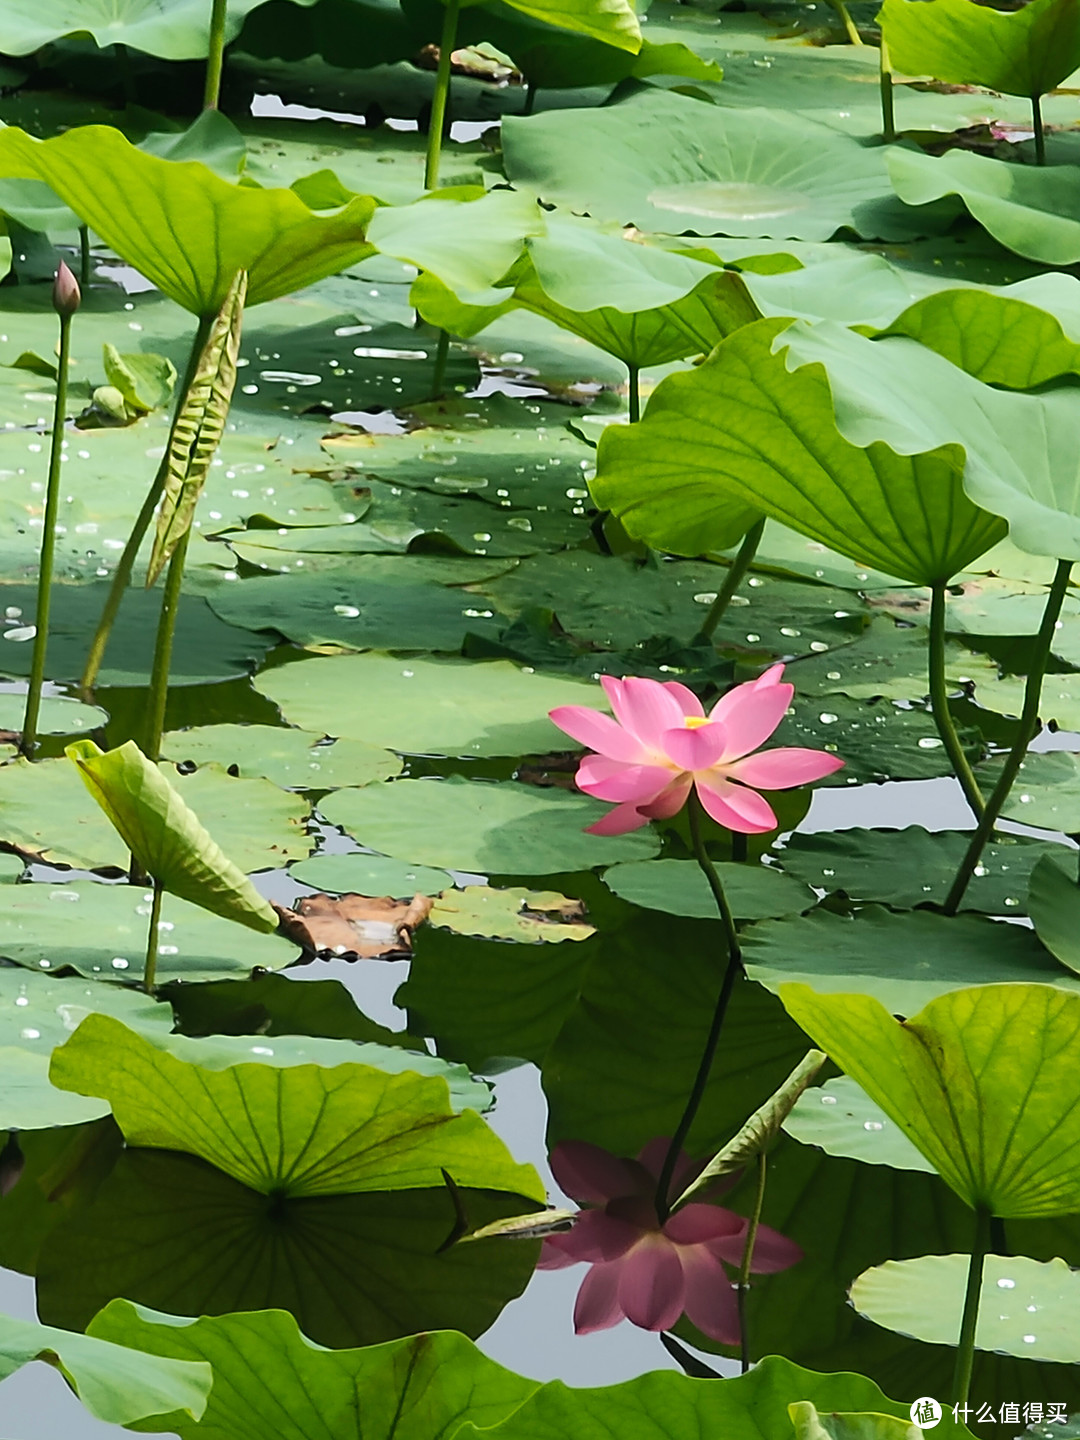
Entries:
{"x":643,"y":1271}
{"x":661,"y":743}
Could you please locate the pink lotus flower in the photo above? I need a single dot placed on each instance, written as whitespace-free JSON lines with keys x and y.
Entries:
{"x":643,"y":1271}
{"x":661,"y":743}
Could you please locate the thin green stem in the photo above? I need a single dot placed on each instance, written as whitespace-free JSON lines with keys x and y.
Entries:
{"x":939,"y":702}
{"x":84,"y":258}
{"x":849,"y":25}
{"x":159,"y":675}
{"x":126,"y":564}
{"x":442,"y":94}
{"x":731,"y":973}
{"x":888,"y":113}
{"x":965,"y":1355}
{"x":1037,"y":125}
{"x":1029,"y":724}
{"x":48,"y":547}
{"x":150,"y":968}
{"x":736,"y":570}
{"x":531,"y":92}
{"x":633,"y":392}
{"x":747,"y":1262}
{"x":442,"y":355}
{"x":215,"y":60}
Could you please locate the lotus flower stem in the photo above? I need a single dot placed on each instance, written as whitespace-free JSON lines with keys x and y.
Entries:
{"x":442,"y":355}
{"x":215,"y":59}
{"x":65,"y":301}
{"x":126,"y":564}
{"x":1029,"y":722}
{"x":747,"y":1263}
{"x":84,"y":256}
{"x":633,"y":392}
{"x":939,"y":703}
{"x":442,"y":93}
{"x":965,"y":1355}
{"x":888,"y":114}
{"x":849,"y":25}
{"x":731,"y":973}
{"x":736,"y":570}
{"x":159,"y":676}
{"x":150,"y":968}
{"x":1037,"y":125}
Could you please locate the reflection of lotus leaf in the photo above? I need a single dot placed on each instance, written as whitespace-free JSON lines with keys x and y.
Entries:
{"x":729,"y":200}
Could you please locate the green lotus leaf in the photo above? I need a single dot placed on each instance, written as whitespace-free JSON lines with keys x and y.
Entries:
{"x":840,"y":1425}
{"x":412,"y":1389}
{"x":352,"y":1269}
{"x":101,"y":931}
{"x":1028,"y":1307}
{"x":643,"y":305}
{"x":670,"y":164}
{"x":293,"y":1130}
{"x":666,"y":1406}
{"x":528,"y":917}
{"x":362,"y":874}
{"x":999,"y":338}
{"x":1027,"y":52}
{"x":293,"y":759}
{"x":507,"y":829}
{"x":904,"y":959}
{"x":179,"y":31}
{"x":187,"y":230}
{"x":116,"y":1383}
{"x":442,"y":707}
{"x":614,"y":22}
{"x":60,"y":715}
{"x":1054,"y":906}
{"x":841,"y":1119}
{"x":47,"y":813}
{"x":744,"y":429}
{"x":755,"y":892}
{"x":1034,"y":210}
{"x":1006,"y":1137}
{"x":146,"y":381}
{"x":1020,"y":461}
{"x":1046,"y":793}
{"x":914,"y":866}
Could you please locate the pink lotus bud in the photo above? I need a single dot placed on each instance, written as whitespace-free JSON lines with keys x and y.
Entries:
{"x":66,"y":295}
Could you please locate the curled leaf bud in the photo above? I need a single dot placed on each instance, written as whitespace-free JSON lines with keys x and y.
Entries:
{"x":66,"y":295}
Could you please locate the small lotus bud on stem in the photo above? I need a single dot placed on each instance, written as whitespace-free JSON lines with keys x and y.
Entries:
{"x":66,"y":296}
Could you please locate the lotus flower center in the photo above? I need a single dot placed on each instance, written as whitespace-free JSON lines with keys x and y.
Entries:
{"x":695,"y":722}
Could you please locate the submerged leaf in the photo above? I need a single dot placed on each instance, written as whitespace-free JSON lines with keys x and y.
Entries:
{"x":198,"y":428}
{"x":165,"y":836}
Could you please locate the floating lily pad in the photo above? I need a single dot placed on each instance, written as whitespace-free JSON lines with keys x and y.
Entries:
{"x":439,"y":707}
{"x":527,"y":916}
{"x":904,"y":960}
{"x":101,"y":931}
{"x":754,"y":892}
{"x":916,"y":867}
{"x":841,"y":1119}
{"x":888,"y":661}
{"x":59,"y":715}
{"x":1028,"y":1307}
{"x":1054,"y":905}
{"x":506,"y":829}
{"x":877,"y":740}
{"x":1046,"y":792}
{"x":666,"y":163}
{"x":378,"y":603}
{"x":47,"y":812}
{"x":205,"y":648}
{"x":297,"y":1130}
{"x":362,"y":874}
{"x":293,"y":759}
